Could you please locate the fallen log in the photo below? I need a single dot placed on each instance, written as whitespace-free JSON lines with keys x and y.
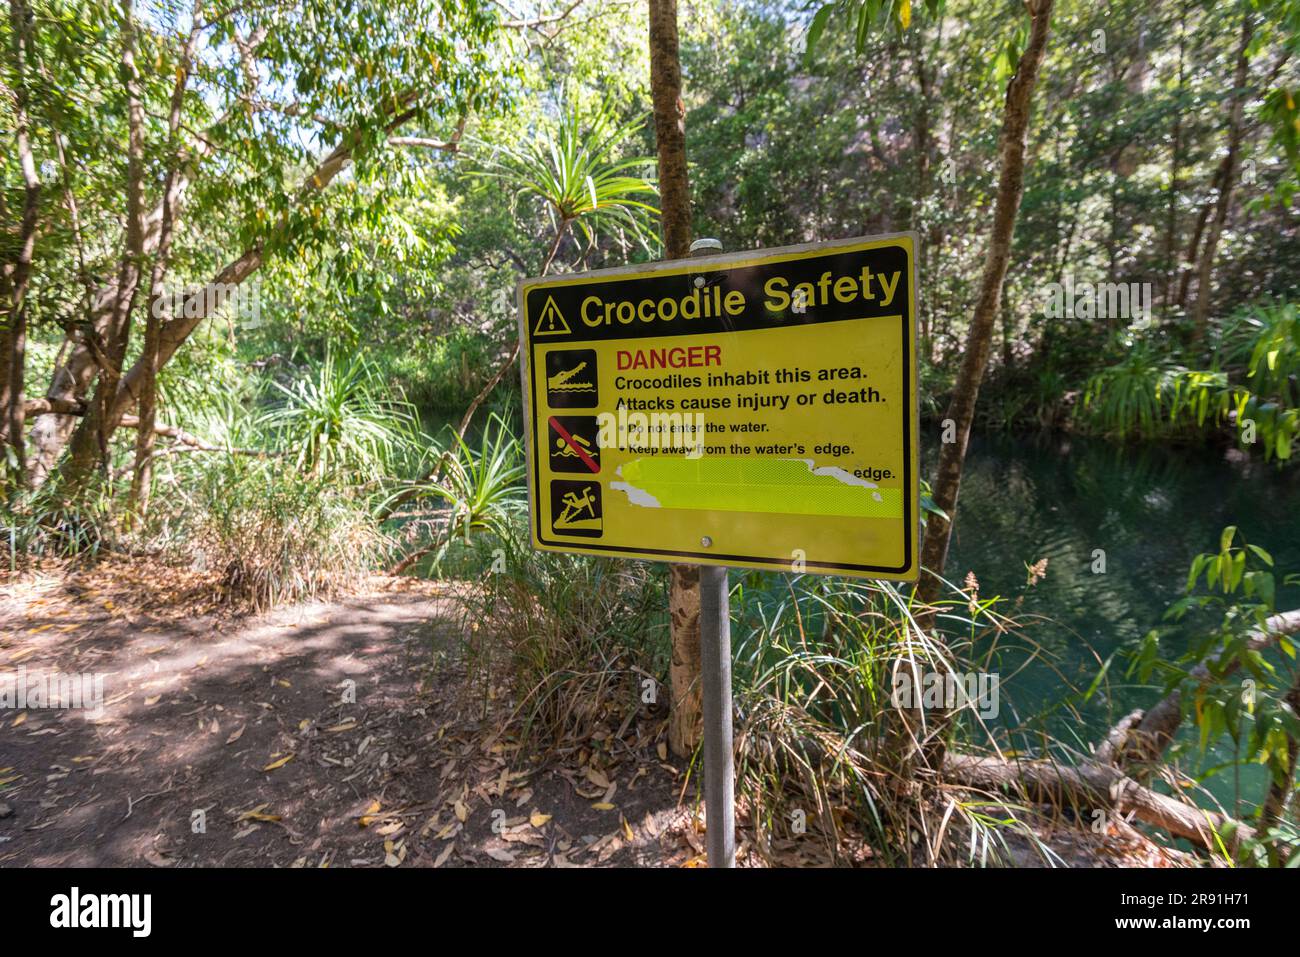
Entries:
{"x":1082,"y":788}
{"x":1092,"y":787}
{"x":1108,"y":750}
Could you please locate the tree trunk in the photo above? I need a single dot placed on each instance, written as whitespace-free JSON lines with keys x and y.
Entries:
{"x":16,"y":275}
{"x":686,"y":721}
{"x":961,"y":410}
{"x":1188,"y":268}
{"x":90,"y":449}
{"x":72,"y":376}
{"x":1236,"y":124}
{"x":913,"y":738}
{"x":1175,"y":164}
{"x":146,"y":437}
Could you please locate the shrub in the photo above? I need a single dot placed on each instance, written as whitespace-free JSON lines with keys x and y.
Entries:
{"x":340,"y":420}
{"x":572,"y":636}
{"x":273,"y":534}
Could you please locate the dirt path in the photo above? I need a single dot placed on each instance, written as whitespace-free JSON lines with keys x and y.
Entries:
{"x":329,"y":734}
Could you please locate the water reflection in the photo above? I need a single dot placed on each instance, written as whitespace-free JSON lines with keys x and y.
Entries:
{"x":1145,"y":512}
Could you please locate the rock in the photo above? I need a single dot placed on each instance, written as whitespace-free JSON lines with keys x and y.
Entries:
{"x":6,"y":810}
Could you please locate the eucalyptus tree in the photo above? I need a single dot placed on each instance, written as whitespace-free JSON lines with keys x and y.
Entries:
{"x":245,"y":115}
{"x":685,"y":728}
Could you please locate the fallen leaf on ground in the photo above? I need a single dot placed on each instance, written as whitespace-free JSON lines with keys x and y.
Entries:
{"x":258,"y":814}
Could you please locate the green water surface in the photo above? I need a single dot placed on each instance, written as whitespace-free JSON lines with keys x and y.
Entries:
{"x":1151,"y":510}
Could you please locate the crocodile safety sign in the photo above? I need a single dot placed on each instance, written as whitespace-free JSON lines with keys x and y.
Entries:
{"x":753,"y":409}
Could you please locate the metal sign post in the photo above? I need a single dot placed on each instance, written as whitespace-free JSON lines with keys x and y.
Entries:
{"x":715,"y":672}
{"x":715,"y":667}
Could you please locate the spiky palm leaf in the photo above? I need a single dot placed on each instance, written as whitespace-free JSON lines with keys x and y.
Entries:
{"x":575,"y":173}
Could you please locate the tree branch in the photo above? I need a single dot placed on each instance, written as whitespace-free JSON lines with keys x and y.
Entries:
{"x":1152,"y":735}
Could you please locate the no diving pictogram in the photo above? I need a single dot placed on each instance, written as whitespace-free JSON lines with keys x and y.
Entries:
{"x":575,"y":508}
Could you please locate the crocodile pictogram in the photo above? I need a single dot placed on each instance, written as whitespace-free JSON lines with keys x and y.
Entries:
{"x":560,"y":381}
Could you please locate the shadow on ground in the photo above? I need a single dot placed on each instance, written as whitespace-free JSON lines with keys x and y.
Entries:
{"x":328,"y":734}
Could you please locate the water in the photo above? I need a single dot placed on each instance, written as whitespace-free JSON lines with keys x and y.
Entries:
{"x":1150,"y":509}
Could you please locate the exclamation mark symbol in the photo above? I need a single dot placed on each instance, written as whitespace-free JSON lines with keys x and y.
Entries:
{"x":551,"y":321}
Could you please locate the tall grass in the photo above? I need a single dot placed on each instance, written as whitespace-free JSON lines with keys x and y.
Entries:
{"x":577,"y":641}
{"x":816,"y":661}
{"x":272,"y":533}
{"x":573,"y":637}
{"x":44,"y":524}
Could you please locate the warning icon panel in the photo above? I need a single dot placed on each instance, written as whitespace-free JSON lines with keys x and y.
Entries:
{"x":551,"y":321}
{"x":575,"y":508}
{"x":571,"y":379}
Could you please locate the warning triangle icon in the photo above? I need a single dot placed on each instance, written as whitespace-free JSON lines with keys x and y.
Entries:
{"x":551,"y":321}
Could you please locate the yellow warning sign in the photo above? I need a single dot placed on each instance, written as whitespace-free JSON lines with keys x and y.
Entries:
{"x":755,"y":409}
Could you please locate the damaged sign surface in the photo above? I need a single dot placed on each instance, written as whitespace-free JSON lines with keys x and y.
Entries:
{"x":753,"y":409}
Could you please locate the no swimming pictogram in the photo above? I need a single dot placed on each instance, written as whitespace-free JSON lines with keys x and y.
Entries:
{"x":573,"y":445}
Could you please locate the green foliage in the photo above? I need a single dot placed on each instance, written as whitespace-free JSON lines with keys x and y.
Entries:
{"x":439,"y":373}
{"x":1274,"y":364}
{"x":575,"y":174}
{"x":1234,"y":588}
{"x":1252,"y":384}
{"x":339,"y":420}
{"x":482,"y":490}
{"x":861,"y":17}
{"x":1133,"y":396}
{"x":339,"y":74}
